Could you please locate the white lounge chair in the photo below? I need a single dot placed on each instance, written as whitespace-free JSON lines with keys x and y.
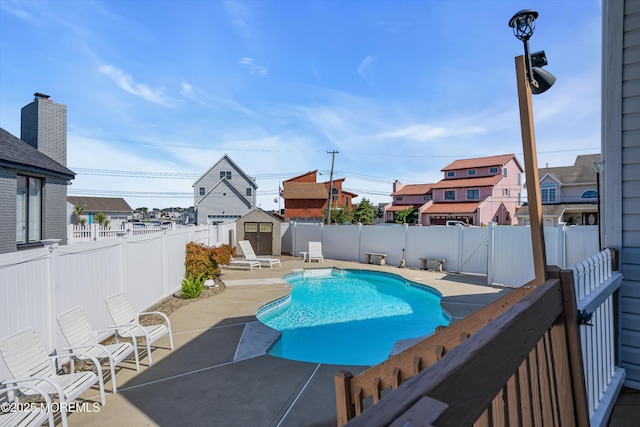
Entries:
{"x":28,"y":362}
{"x":315,"y":251}
{"x":80,"y":336}
{"x":127,"y":323}
{"x":250,"y":255}
{"x":24,"y":417}
{"x":250,"y":263}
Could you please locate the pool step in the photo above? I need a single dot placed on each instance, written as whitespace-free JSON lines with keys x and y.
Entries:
{"x":256,"y":340}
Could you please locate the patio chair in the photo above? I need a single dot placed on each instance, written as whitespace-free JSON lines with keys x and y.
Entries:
{"x":250,"y":263}
{"x":80,"y":336}
{"x":127,"y":323}
{"x":250,"y":255}
{"x":26,"y":416}
{"x":315,"y":251}
{"x":27,"y":361}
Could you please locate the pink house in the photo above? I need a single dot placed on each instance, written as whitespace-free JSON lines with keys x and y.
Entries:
{"x":416,"y":196}
{"x":476,"y":191}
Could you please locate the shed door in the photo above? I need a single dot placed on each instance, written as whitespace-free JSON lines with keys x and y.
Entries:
{"x":260,"y":235}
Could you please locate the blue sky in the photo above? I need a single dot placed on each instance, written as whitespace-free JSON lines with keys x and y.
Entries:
{"x":158,"y":91}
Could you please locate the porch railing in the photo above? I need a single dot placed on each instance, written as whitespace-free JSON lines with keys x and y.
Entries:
{"x":594,"y":282}
{"x":524,"y":367}
{"x":597,"y":282}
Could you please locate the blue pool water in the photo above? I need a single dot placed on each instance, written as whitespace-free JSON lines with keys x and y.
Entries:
{"x":350,"y":317}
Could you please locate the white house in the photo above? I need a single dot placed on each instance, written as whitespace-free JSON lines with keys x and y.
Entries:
{"x":223,"y":193}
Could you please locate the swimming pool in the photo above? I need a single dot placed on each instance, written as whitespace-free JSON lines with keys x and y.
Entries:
{"x":350,"y":317}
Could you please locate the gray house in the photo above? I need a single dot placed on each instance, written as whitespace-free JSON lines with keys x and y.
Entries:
{"x":569,"y":194}
{"x":223,"y":193}
{"x":116,"y":209}
{"x":34,"y":178}
{"x":621,"y":169}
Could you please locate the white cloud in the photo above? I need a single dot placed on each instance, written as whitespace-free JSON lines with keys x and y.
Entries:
{"x":424,"y":132}
{"x":365,"y":68}
{"x":126,"y":83}
{"x":252,"y":67}
{"x":239,"y":14}
{"x":14,"y":9}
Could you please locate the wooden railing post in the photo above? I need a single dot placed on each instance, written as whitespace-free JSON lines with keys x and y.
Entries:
{"x":574,"y":348}
{"x":344,"y":405}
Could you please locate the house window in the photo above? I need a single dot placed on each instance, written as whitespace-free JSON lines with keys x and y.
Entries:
{"x":493,"y":170}
{"x":506,"y":192}
{"x":225,"y":174}
{"x":247,"y":192}
{"x":28,"y":209}
{"x":504,"y":172}
{"x":426,"y":197}
{"x":450,"y":195}
{"x":451,"y":173}
{"x":201,"y":191}
{"x":399,"y":198}
{"x":473,"y":194}
{"x":589,"y":194}
{"x":548,"y":192}
{"x":471,"y":172}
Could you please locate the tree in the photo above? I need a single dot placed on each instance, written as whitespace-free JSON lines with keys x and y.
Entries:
{"x":142,"y":211}
{"x":364,"y":213}
{"x":406,"y":216}
{"x":77,"y":211}
{"x":101,"y":218}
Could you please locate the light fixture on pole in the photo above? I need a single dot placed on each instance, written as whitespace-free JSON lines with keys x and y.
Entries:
{"x":531,"y":79}
{"x":333,"y":159}
{"x":597,"y":166}
{"x":523,"y":24}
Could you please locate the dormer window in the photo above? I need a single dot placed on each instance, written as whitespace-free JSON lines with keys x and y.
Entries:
{"x":471,"y":172}
{"x":473,"y":194}
{"x":450,"y":195}
{"x":493,"y":170}
{"x":399,"y":198}
{"x":451,"y":174}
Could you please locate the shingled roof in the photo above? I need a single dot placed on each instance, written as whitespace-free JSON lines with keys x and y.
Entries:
{"x":18,"y":154}
{"x":101,"y":204}
{"x":582,"y":171}
{"x":481,"y":162}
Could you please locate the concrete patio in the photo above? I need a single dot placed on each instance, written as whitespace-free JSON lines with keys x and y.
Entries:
{"x":219,"y":374}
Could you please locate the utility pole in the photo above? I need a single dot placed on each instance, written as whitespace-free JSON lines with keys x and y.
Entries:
{"x":333,"y":159}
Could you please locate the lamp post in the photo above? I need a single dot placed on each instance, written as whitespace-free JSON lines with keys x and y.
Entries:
{"x":333,"y":159}
{"x":531,"y":79}
{"x":598,"y":168}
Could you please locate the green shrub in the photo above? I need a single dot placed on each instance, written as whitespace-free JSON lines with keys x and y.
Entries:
{"x":192,"y":288}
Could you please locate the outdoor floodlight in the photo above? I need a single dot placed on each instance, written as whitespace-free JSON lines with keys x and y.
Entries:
{"x":523,"y":24}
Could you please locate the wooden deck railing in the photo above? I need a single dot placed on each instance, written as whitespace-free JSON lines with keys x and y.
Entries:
{"x":522,"y":368}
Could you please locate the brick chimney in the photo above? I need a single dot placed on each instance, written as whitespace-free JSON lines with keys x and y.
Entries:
{"x":44,"y":127}
{"x":397,"y":185}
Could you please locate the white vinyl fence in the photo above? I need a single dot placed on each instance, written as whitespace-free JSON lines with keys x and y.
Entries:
{"x":38,"y":284}
{"x":502,"y":253}
{"x":595,"y":286}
